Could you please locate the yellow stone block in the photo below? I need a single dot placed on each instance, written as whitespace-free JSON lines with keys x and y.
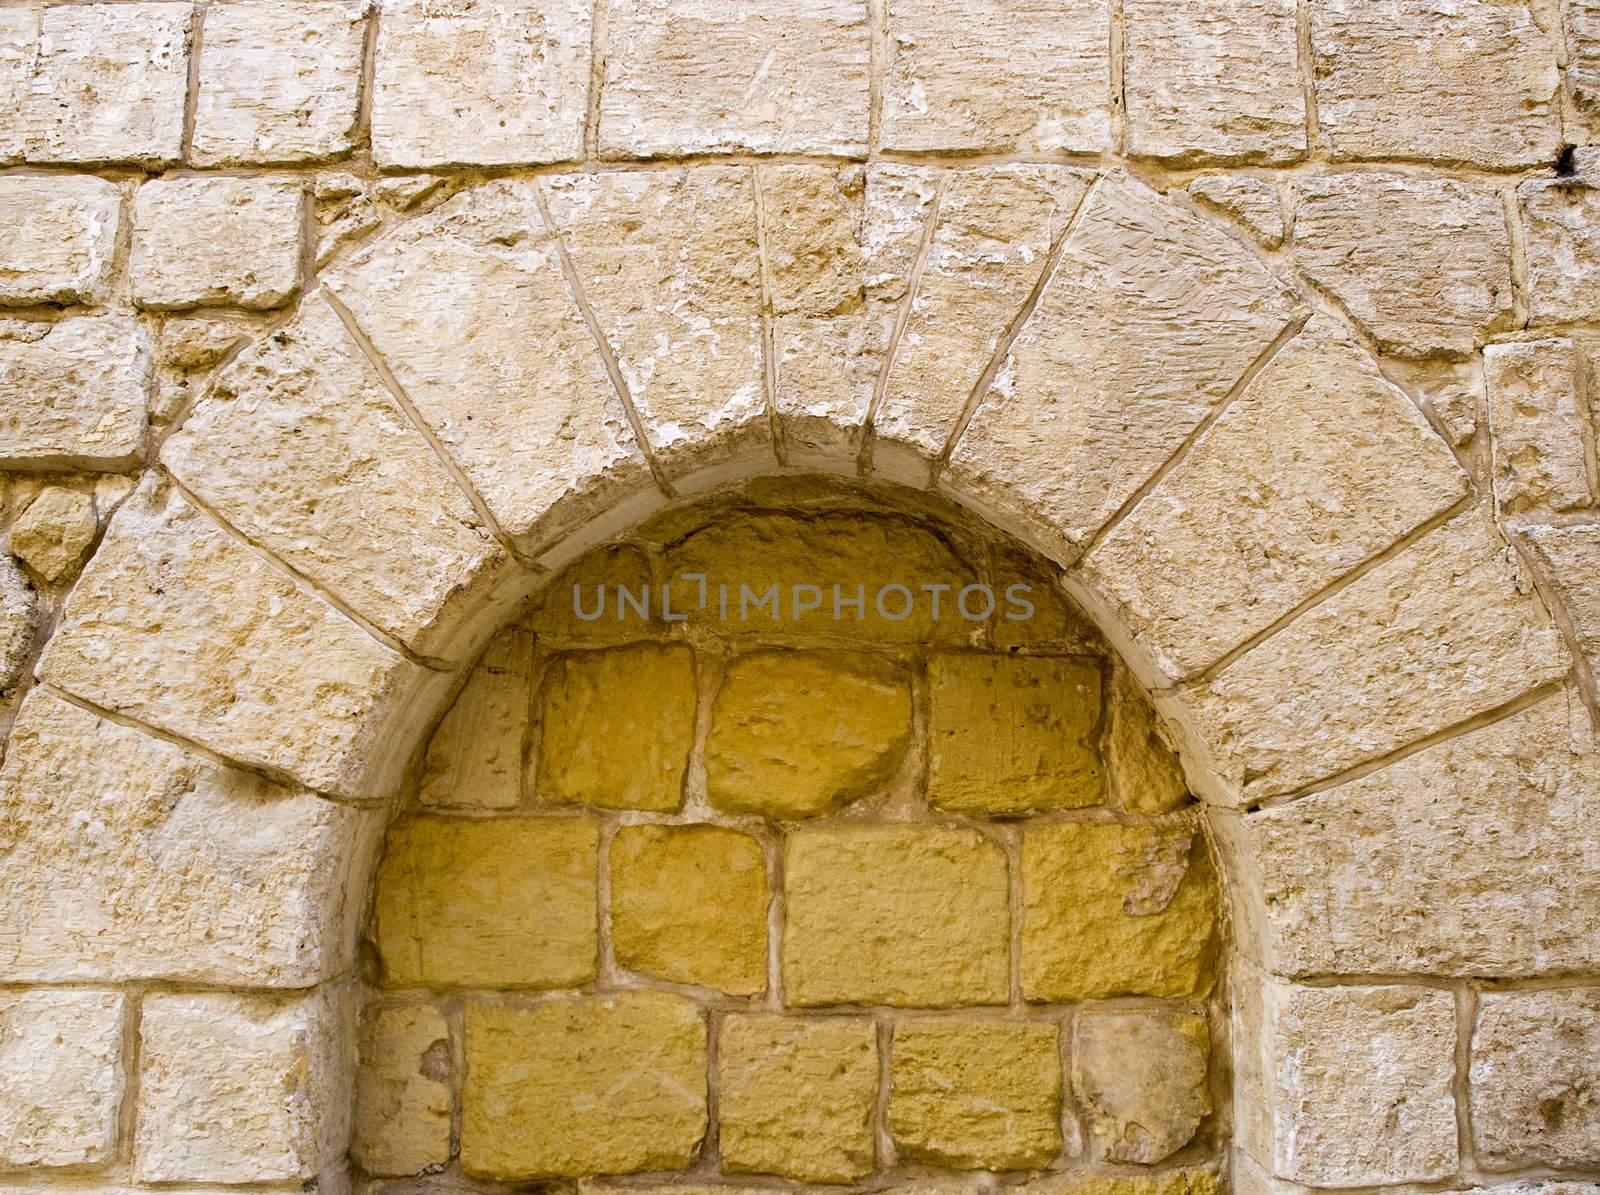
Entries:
{"x":403,"y":1094}
{"x":1145,"y":775}
{"x":1196,"y":1181}
{"x":594,"y":614}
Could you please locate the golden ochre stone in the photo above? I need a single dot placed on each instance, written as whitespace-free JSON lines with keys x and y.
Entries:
{"x":1198,"y":1181}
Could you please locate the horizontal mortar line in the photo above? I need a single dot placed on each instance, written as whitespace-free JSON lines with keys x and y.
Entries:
{"x":138,"y":986}
{"x":1481,"y":984}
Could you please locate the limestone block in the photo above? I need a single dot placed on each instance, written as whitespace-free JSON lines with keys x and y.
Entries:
{"x":1141,"y":1076}
{"x":475,"y":758}
{"x":204,"y":242}
{"x":616,"y":728}
{"x":1542,"y":430}
{"x":53,"y":531}
{"x":581,"y":604}
{"x":1194,"y":1181}
{"x":1426,"y":639}
{"x":905,"y":915}
{"x":976,"y":1094}
{"x":1372,"y":240}
{"x":1254,"y":202}
{"x":689,"y":904}
{"x":215,"y":643}
{"x":998,"y":76}
{"x":715,"y":76}
{"x":240,"y":1088}
{"x":1567,"y":556}
{"x":801,"y":734}
{"x":503,"y":902}
{"x":19,"y":43}
{"x":280,"y":81}
{"x":468,"y":306}
{"x":480,"y":82}
{"x":1562,"y":224}
{"x":1208,"y":81}
{"x":192,"y":872}
{"x":1146,"y":325}
{"x":403,"y":1090}
{"x":1582,"y":19}
{"x":1319,"y":464}
{"x":1145,"y":776}
{"x":19,"y":622}
{"x":1116,"y":910}
{"x":1474,"y":82}
{"x":535,"y":1077}
{"x":61,"y":1077}
{"x":1014,"y":734}
{"x":797,"y":1097}
{"x":1535,"y":1093}
{"x":61,"y":238}
{"x":73,"y":393}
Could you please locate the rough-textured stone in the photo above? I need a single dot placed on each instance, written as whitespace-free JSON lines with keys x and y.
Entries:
{"x":279,"y":81}
{"x":1145,"y":776}
{"x":480,"y":82}
{"x":1014,"y":734}
{"x":1208,"y":81}
{"x":1254,"y":202}
{"x":1542,"y":431}
{"x":904,"y":915}
{"x":1472,"y":82}
{"x":1561,"y":221}
{"x":536,"y":1078}
{"x":61,"y":1077}
{"x":403,"y":1096}
{"x":998,"y":75}
{"x":1535,"y":1089}
{"x":1196,"y":1181}
{"x":797,"y":1097}
{"x":1372,"y":239}
{"x":982,"y":1094}
{"x":643,"y":696}
{"x":1426,"y":639}
{"x":73,"y":393}
{"x":206,"y":242}
{"x":1142,"y":1079}
{"x":19,"y":622}
{"x":53,"y":531}
{"x":242,"y":1088}
{"x":1115,"y":910}
{"x":475,"y":758}
{"x":507,"y":902}
{"x":581,"y":604}
{"x":689,"y":904}
{"x":19,"y":43}
{"x":1582,"y":20}
{"x":710,"y":76}
{"x":800,"y":734}
{"x":1567,"y":556}
{"x":61,"y":238}
{"x":1318,"y":465}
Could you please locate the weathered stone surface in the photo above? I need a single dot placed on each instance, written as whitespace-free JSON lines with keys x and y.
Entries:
{"x":1115,"y":910}
{"x":1562,"y":223}
{"x":1582,"y":21}
{"x":480,"y":82}
{"x":1146,"y":325}
{"x":1474,"y":82}
{"x":905,"y":915}
{"x":61,"y":1077}
{"x":475,"y":758}
{"x":403,"y":1096}
{"x":689,"y":904}
{"x":1318,"y":465}
{"x":124,"y":857}
{"x":1014,"y":734}
{"x":1426,"y":639}
{"x":643,"y":696}
{"x":505,"y":902}
{"x":1346,"y":1086}
{"x":1207,"y":81}
{"x":19,"y":622}
{"x":213,"y":642}
{"x":998,"y":75}
{"x":980,"y":1094}
{"x":205,"y":242}
{"x":1372,"y":239}
{"x":1254,"y":202}
{"x":468,"y":307}
{"x":712,"y":76}
{"x":1567,"y":556}
{"x":61,"y":237}
{"x":1145,"y":776}
{"x":73,"y":393}
{"x":52,"y":533}
{"x":1542,"y":430}
{"x":797,"y":1097}
{"x":800,"y":734}
{"x":536,"y":1076}
{"x":279,"y":81}
{"x":1142,"y":1079}
{"x":582,"y":604}
{"x":1535,"y":1093}
{"x":19,"y":43}
{"x":1195,"y":1181}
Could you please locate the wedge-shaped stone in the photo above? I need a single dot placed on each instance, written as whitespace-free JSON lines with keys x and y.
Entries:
{"x":61,"y":1077}
{"x":1533,"y":1078}
{"x":403,"y":1090}
{"x":998,"y":75}
{"x":73,"y":393}
{"x":712,"y":76}
{"x":1145,"y":776}
{"x":1150,"y":319}
{"x":1142,"y":1078}
{"x":1427,"y":639}
{"x":1253,"y":202}
{"x":475,"y":758}
{"x":1542,"y":430}
{"x":178,"y":624}
{"x":194,"y":872}
{"x":1567,"y":556}
{"x":1561,"y":219}
{"x":468,"y":307}
{"x":1319,"y":464}
{"x":61,"y":237}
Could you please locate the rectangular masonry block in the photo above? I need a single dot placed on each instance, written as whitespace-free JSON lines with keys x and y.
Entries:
{"x":61,"y":1077}
{"x":403,"y":1090}
{"x":60,"y":239}
{"x":206,"y":242}
{"x":1533,"y":1078}
{"x":73,"y":394}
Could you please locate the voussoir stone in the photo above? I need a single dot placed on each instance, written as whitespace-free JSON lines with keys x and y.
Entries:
{"x":61,"y":1077}
{"x":74,"y":393}
{"x":61,"y":238}
{"x":1542,"y":431}
{"x":202,"y":242}
{"x":1567,"y":556}
{"x":1142,"y":1078}
{"x":1535,"y":1092}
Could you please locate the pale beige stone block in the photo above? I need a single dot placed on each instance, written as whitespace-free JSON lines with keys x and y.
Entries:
{"x":73,"y":393}
{"x":53,"y":531}
{"x":1533,"y":1078}
{"x":1567,"y":556}
{"x":206,"y":242}
{"x":60,"y":239}
{"x":1561,"y":220}
{"x":1583,"y":68}
{"x":1141,"y":1077}
{"x":1542,"y":430}
{"x":19,"y":44}
{"x":1253,"y":202}
{"x":61,"y":1077}
{"x":19,"y":621}
{"x":403,"y":1090}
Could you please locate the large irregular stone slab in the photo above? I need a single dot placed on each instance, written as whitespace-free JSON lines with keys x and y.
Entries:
{"x":1142,"y":1078}
{"x":468,"y":307}
{"x":716,"y":76}
{"x":61,"y":238}
{"x":206,"y":242}
{"x":404,"y":1090}
{"x":178,"y":624}
{"x":1150,"y":319}
{"x":1317,"y":465}
{"x":1535,"y":1094}
{"x":1561,"y":220}
{"x":1543,"y":433}
{"x":61,"y":1077}
{"x":73,"y":394}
